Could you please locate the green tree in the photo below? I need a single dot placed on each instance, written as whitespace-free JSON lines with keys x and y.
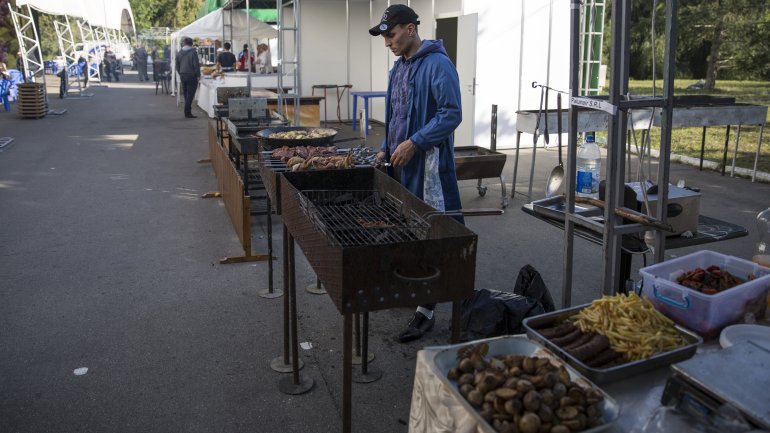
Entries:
{"x":164,"y":13}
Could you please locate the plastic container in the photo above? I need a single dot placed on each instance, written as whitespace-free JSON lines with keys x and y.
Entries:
{"x":706,"y":314}
{"x":589,"y":160}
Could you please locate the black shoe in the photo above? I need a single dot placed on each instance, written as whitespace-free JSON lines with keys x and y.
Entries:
{"x":190,"y":116}
{"x":417,"y":327}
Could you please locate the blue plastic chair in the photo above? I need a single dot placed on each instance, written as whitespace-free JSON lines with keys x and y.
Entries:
{"x":5,"y":86}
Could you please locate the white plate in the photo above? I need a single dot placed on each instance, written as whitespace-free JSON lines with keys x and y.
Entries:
{"x":737,"y":333}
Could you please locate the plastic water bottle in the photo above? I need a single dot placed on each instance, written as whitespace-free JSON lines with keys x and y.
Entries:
{"x":588,"y":168}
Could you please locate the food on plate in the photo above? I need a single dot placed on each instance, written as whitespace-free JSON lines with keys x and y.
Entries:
{"x":302,"y":134}
{"x":517,"y":393}
{"x":709,"y":281}
{"x":632,"y":325}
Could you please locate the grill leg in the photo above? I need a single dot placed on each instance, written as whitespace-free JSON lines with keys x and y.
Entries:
{"x":367,"y":374}
{"x":456,"y":310}
{"x":515,"y":165}
{"x":347,"y":373}
{"x":270,"y":292}
{"x":317,"y":288}
{"x":297,"y":383}
{"x":282,"y":364}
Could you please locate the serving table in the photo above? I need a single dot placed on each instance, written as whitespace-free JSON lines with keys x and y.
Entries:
{"x":310,"y":106}
{"x":435,"y":409}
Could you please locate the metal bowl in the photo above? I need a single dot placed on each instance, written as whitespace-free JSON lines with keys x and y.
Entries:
{"x":271,"y":143}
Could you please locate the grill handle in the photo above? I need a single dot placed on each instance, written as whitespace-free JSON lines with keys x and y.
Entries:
{"x":434,"y":276}
{"x":481,"y":211}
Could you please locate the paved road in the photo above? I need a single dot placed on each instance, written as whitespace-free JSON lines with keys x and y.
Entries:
{"x":110,"y":261}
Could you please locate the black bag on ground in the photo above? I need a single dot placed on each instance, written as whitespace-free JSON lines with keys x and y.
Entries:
{"x":491,"y":313}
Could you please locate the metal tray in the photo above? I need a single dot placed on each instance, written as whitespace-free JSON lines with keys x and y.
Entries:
{"x":445,"y":357}
{"x":555,"y":207}
{"x":618,"y":372}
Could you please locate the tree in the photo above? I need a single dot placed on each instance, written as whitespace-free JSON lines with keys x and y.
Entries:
{"x":8,"y":43}
{"x":164,"y":13}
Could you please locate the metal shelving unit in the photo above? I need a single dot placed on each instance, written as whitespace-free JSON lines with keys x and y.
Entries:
{"x":617,"y":108}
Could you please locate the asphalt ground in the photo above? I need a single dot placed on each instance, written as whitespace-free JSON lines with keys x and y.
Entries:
{"x":109,"y":260}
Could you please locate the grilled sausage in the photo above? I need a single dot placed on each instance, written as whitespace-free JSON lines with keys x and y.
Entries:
{"x":588,"y":350}
{"x":602,"y":359}
{"x":585,"y":338}
{"x":567,"y":339}
{"x":559,"y":330}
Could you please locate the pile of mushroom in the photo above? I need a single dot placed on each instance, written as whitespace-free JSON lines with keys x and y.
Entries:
{"x":522,"y":394}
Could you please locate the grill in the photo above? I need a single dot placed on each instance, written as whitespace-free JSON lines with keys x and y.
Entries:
{"x":270,"y":168}
{"x":410,"y":258}
{"x":357,"y":218}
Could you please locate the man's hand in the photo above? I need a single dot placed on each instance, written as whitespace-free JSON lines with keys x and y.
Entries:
{"x":403,"y":154}
{"x":380,"y":156}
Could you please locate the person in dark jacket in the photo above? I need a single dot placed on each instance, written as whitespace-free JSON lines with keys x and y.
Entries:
{"x":140,"y":56}
{"x":226,"y":59}
{"x":422,"y":111}
{"x":189,"y":69}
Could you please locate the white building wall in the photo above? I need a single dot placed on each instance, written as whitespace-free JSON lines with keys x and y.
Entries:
{"x":512,"y":52}
{"x":323,"y":47}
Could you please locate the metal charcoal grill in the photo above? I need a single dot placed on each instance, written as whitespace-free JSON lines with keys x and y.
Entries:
{"x":416,"y":261}
{"x":359,"y":218}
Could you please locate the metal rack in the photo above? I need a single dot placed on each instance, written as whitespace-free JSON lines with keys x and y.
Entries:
{"x":283,"y":29}
{"x":617,"y":108}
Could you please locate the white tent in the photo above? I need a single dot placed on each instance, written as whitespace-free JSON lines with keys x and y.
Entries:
{"x":98,"y":13}
{"x":212,"y":26}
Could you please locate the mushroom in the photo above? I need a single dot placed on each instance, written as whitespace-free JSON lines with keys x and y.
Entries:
{"x":529,"y":423}
{"x":547,"y":396}
{"x":465,"y":389}
{"x":560,"y":429}
{"x":532,"y":401}
{"x":475,"y":398}
{"x":559,"y":390}
{"x":524,"y":386}
{"x":545,"y":413}
{"x":577,"y":394}
{"x":529,"y":365}
{"x":506,"y":393}
{"x":487,"y":411}
{"x":453,"y":374}
{"x":466,"y":378}
{"x":466,"y":366}
{"x":567,"y":412}
{"x":513,"y":406}
{"x":567,"y":401}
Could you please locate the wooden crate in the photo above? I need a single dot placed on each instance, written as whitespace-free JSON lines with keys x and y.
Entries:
{"x":31,"y":103}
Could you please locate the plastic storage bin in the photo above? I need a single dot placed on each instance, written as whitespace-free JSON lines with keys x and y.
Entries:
{"x":706,"y":314}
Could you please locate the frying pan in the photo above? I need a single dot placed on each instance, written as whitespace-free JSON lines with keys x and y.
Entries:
{"x":279,"y":142}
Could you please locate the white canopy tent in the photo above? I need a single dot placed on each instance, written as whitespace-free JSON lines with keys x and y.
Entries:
{"x":98,"y":13}
{"x":212,"y":26}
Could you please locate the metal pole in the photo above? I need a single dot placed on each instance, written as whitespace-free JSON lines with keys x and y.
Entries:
{"x":735,"y":152}
{"x":248,"y":41}
{"x":756,"y":158}
{"x":569,"y":186}
{"x":666,"y":123}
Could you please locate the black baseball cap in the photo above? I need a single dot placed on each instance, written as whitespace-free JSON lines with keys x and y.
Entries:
{"x":394,"y":15}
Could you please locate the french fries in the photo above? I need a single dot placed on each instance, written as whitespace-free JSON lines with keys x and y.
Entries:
{"x":633,"y":326}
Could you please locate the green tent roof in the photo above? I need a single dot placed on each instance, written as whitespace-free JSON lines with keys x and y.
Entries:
{"x":265,"y":15}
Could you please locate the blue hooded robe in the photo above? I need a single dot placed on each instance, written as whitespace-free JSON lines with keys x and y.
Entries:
{"x":434,"y":112}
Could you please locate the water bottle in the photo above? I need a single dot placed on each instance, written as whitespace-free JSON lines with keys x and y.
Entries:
{"x":588,"y":168}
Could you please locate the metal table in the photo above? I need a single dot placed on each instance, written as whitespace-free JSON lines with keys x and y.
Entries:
{"x":709,"y":230}
{"x":366,"y":96}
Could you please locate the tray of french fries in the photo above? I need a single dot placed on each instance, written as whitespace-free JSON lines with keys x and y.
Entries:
{"x":613,"y":338}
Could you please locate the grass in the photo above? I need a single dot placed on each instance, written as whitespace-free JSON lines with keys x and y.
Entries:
{"x":687,"y":141}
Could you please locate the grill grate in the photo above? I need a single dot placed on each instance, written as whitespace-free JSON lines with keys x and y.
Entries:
{"x":362,"y":217}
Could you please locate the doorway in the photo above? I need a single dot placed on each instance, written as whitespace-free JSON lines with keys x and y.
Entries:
{"x":459,"y":37}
